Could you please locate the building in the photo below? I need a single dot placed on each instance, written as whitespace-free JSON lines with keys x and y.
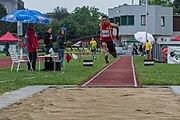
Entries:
{"x":132,"y":18}
{"x":12,"y":5}
{"x":176,"y":27}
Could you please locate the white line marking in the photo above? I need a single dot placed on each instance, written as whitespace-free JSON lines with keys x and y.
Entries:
{"x":7,"y":81}
{"x":99,"y":72}
{"x":134,"y":75}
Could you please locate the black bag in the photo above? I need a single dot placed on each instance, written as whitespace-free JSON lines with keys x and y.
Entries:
{"x":50,"y":65}
{"x":58,"y":65}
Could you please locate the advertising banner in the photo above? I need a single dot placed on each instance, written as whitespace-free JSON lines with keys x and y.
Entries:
{"x":173,"y":55}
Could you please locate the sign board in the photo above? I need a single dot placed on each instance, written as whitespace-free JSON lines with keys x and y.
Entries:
{"x":121,"y":51}
{"x":173,"y":55}
{"x":87,"y":62}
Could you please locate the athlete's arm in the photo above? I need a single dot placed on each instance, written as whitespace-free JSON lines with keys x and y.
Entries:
{"x":117,"y":29}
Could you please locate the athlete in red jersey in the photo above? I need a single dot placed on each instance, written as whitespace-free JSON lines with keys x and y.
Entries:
{"x":106,"y":36}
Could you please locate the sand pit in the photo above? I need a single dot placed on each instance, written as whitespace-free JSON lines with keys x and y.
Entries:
{"x":97,"y":104}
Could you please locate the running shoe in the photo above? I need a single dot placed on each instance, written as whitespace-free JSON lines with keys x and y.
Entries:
{"x":106,"y":59}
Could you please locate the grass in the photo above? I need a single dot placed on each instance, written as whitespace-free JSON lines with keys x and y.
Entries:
{"x":159,"y":74}
{"x":73,"y":74}
{"x":2,"y":55}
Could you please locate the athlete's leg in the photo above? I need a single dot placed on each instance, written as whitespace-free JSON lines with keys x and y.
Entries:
{"x":111,"y":48}
{"x":105,"y":51}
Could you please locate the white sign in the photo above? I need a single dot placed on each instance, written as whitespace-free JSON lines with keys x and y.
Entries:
{"x":121,"y":51}
{"x":173,"y":55}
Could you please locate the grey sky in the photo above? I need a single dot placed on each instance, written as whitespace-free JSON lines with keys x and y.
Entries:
{"x":45,"y":6}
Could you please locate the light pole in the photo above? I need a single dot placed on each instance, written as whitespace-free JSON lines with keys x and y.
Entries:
{"x":146,"y":17}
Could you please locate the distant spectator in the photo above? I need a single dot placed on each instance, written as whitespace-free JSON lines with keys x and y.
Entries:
{"x":148,"y":49}
{"x":61,"y":44}
{"x":93,"y":44}
{"x":48,"y":41}
{"x":141,"y":49}
{"x":135,"y":48}
{"x":6,"y":49}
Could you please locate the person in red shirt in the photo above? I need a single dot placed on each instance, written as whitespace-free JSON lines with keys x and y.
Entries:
{"x":106,"y":37}
{"x":32,"y":46}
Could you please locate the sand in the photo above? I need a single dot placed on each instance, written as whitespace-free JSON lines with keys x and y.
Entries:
{"x":97,"y":104}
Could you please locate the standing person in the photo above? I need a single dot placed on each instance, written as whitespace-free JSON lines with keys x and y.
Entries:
{"x":61,"y":44}
{"x":6,"y":49}
{"x":48,"y":41}
{"x":93,"y":44}
{"x":148,"y":49}
{"x":32,"y":46}
{"x":141,"y":49}
{"x":106,"y":37}
{"x":135,"y":48}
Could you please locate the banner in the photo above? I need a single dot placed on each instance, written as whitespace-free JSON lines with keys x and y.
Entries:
{"x":173,"y":55}
{"x":122,"y":51}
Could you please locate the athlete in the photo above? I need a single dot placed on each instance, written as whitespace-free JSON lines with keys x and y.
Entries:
{"x":106,"y":37}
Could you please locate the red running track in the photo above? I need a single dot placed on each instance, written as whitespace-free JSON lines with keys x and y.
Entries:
{"x":120,"y":73}
{"x":5,"y":62}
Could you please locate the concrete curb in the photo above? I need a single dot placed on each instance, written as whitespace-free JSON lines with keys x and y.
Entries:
{"x":175,"y":89}
{"x":10,"y":98}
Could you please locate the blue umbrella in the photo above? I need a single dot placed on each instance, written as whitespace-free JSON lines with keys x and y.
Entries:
{"x":26,"y":16}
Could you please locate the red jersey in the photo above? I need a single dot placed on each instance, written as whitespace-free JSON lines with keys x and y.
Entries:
{"x":106,"y":32}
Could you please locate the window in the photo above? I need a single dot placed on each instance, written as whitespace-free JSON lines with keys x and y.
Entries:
{"x":127,"y":20}
{"x":123,"y":20}
{"x":143,"y":19}
{"x":117,"y":20}
{"x":162,"y":21}
{"x":111,"y":20}
{"x":130,"y":20}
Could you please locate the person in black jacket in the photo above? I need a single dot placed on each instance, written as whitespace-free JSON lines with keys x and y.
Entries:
{"x":6,"y":49}
{"x":48,"y":41}
{"x":61,"y":44}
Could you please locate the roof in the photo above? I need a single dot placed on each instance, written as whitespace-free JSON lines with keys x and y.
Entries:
{"x":132,"y":41}
{"x":176,"y":39}
{"x":168,"y":42}
{"x":8,"y":37}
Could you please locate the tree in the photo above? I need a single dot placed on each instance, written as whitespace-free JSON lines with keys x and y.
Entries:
{"x":176,"y":6}
{"x":154,"y":2}
{"x":167,"y":3}
{"x":3,"y":11}
{"x":80,"y":23}
{"x":86,"y":20}
{"x":5,"y":26}
{"x":163,"y":3}
{"x":60,"y":13}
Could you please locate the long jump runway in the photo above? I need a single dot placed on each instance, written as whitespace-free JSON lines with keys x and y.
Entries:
{"x":120,"y":73}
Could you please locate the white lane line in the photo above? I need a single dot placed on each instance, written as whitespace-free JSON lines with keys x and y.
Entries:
{"x":134,"y":75}
{"x":99,"y":73}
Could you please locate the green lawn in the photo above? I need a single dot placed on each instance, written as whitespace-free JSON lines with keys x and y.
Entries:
{"x":159,"y":74}
{"x":2,"y":55}
{"x":73,"y":74}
